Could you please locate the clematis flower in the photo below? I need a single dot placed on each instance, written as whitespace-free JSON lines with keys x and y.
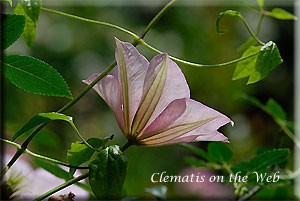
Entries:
{"x":151,"y":101}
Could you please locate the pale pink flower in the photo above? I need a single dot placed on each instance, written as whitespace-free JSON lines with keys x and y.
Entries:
{"x":36,"y":182}
{"x":206,"y":188}
{"x":151,"y":101}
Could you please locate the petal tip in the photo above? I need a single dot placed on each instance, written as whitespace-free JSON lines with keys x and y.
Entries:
{"x":232,"y":123}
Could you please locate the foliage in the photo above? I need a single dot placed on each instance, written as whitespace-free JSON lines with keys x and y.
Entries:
{"x":107,"y":166}
{"x":107,"y":173}
{"x":13,"y":27}
{"x":221,"y":159}
{"x":31,"y":10}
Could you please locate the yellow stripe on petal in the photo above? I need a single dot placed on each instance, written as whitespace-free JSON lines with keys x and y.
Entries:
{"x":173,"y":132}
{"x":150,"y":100}
{"x":124,"y":84}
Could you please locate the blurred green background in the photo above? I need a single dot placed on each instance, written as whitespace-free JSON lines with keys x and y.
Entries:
{"x":78,"y":49}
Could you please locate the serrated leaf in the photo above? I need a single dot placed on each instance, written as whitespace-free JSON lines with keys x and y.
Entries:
{"x":39,"y":119}
{"x":275,"y":110}
{"x":12,"y":28}
{"x":282,"y":14}
{"x":227,"y":12}
{"x":268,"y":158}
{"x":219,"y":152}
{"x":246,"y":67}
{"x":31,"y":17}
{"x":107,"y":173}
{"x":80,"y":153}
{"x":261,"y":150}
{"x":260,"y":3}
{"x":268,"y":59}
{"x":160,"y":192}
{"x":35,"y":76}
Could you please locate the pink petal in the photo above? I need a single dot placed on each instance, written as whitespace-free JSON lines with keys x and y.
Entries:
{"x":176,"y":86}
{"x":172,"y":112}
{"x":198,"y":122}
{"x":109,"y":89}
{"x":151,"y":94}
{"x":136,"y":66}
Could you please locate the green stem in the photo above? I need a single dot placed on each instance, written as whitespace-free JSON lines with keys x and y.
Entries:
{"x":66,"y":107}
{"x":254,"y":190}
{"x":128,"y":144}
{"x":139,"y":40}
{"x":249,"y":29}
{"x":64,"y":185}
{"x":75,"y":100}
{"x":104,"y":73}
{"x":283,"y":126}
{"x":287,"y":131}
{"x":26,"y":151}
{"x":143,"y":43}
{"x":156,"y":18}
{"x":83,"y":140}
{"x":89,"y":20}
{"x":259,"y":24}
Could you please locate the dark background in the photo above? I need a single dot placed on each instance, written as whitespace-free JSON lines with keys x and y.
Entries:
{"x":78,"y":49}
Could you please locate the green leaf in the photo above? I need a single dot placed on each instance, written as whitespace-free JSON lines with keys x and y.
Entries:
{"x":260,"y":3}
{"x":219,"y":152}
{"x":160,"y":192}
{"x":58,"y":172}
{"x":282,"y":14}
{"x":253,"y":101}
{"x":268,"y":59}
{"x":240,"y":167}
{"x":107,"y":173}
{"x":12,"y":28}
{"x":261,"y":150}
{"x":46,"y":139}
{"x":53,"y":169}
{"x":194,"y":162}
{"x":196,"y":150}
{"x":268,"y":158}
{"x":39,"y":119}
{"x":246,"y":67}
{"x":30,"y":9}
{"x":248,"y":43}
{"x":35,"y":76}
{"x":80,"y":153}
{"x":275,"y":110}
{"x":227,"y":12}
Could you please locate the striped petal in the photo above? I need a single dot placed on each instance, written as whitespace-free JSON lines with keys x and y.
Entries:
{"x":109,"y":89}
{"x":132,"y":71}
{"x":174,"y":110}
{"x":152,"y":92}
{"x":175,"y":87}
{"x":198,"y":122}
